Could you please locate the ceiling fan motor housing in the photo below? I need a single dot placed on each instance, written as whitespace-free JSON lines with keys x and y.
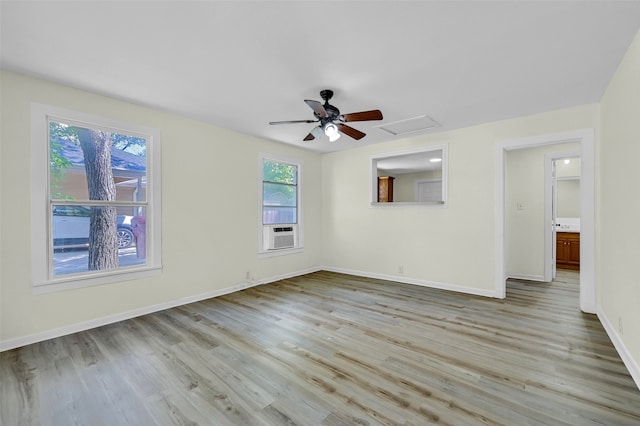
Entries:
{"x":332,"y":112}
{"x":326,"y":94}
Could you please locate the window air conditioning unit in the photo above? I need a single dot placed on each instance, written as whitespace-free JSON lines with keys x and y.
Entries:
{"x":280,"y":236}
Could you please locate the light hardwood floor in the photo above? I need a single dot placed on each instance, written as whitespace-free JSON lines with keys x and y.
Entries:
{"x":332,"y":349}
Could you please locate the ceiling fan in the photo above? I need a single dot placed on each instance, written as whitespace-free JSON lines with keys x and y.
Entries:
{"x":331,"y":121}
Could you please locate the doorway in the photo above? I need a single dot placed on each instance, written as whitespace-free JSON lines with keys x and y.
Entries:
{"x":585,"y":139}
{"x":562,"y":175}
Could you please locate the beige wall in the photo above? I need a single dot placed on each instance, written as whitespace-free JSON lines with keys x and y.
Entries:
{"x":210,"y":212}
{"x":524,"y":209}
{"x":568,"y":187}
{"x":618,"y":236}
{"x":568,"y":170}
{"x":404,"y":185}
{"x":452,"y":245}
{"x":568,"y":198}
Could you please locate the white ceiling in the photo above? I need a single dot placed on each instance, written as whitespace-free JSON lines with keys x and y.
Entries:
{"x":242,"y":64}
{"x":410,"y":163}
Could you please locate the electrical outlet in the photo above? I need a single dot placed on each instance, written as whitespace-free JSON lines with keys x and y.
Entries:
{"x":401,"y":269}
{"x":620,"y":329}
{"x":248,"y":275}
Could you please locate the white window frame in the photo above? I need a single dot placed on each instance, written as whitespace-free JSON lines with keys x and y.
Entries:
{"x":299,"y":247}
{"x":42,"y":279}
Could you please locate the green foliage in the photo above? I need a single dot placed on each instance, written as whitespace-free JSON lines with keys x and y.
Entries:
{"x":62,"y":131}
{"x":279,"y":173}
{"x":280,"y":184}
{"x":131,"y":144}
{"x":58,"y":163}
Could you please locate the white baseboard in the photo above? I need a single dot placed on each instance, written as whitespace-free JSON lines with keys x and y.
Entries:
{"x":110,"y":319}
{"x":627,"y":359}
{"x":415,"y":281}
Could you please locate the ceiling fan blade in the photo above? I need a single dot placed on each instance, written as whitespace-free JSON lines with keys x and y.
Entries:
{"x":350,"y":131}
{"x":293,"y":121}
{"x":374,"y":114}
{"x":317,"y":108}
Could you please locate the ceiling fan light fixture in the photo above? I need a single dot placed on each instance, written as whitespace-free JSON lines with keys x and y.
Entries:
{"x":317,"y":132}
{"x":331,"y":130}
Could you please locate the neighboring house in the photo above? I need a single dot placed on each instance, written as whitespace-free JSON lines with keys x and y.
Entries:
{"x":129,"y":174}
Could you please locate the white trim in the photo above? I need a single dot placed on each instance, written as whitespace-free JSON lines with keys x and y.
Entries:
{"x":550,"y":204}
{"x":280,"y":252}
{"x":41,"y":281}
{"x":587,"y":208}
{"x":73,"y":281}
{"x":397,"y":204}
{"x":587,"y":223}
{"x":110,"y":319}
{"x":373,"y":174}
{"x":627,"y":358}
{"x":567,"y":178}
{"x":415,"y":281}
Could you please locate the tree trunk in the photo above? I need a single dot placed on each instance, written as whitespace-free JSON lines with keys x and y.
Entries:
{"x":103,"y":240}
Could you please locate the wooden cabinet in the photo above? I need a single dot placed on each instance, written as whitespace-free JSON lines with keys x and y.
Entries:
{"x":568,"y":250}
{"x":385,"y":189}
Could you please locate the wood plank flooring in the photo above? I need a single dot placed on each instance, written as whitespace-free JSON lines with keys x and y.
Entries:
{"x":332,"y":349}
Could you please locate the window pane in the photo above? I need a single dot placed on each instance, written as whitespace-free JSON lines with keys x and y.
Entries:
{"x":275,"y":194}
{"x":122,"y":234}
{"x":274,"y":215}
{"x":279,"y":172}
{"x":124,"y":177}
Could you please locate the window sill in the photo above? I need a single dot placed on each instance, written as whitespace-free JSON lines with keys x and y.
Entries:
{"x":280,"y":252}
{"x":409,"y":203}
{"x":85,"y":280}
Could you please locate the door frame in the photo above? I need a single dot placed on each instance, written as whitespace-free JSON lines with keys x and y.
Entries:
{"x":550,"y":210}
{"x":585,"y":137}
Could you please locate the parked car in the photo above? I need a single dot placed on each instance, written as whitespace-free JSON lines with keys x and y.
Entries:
{"x":71,"y":228}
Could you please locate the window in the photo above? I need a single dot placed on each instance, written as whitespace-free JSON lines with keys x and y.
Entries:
{"x":95,"y":200}
{"x":279,"y":193}
{"x":280,"y":205}
{"x":417,"y":177}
